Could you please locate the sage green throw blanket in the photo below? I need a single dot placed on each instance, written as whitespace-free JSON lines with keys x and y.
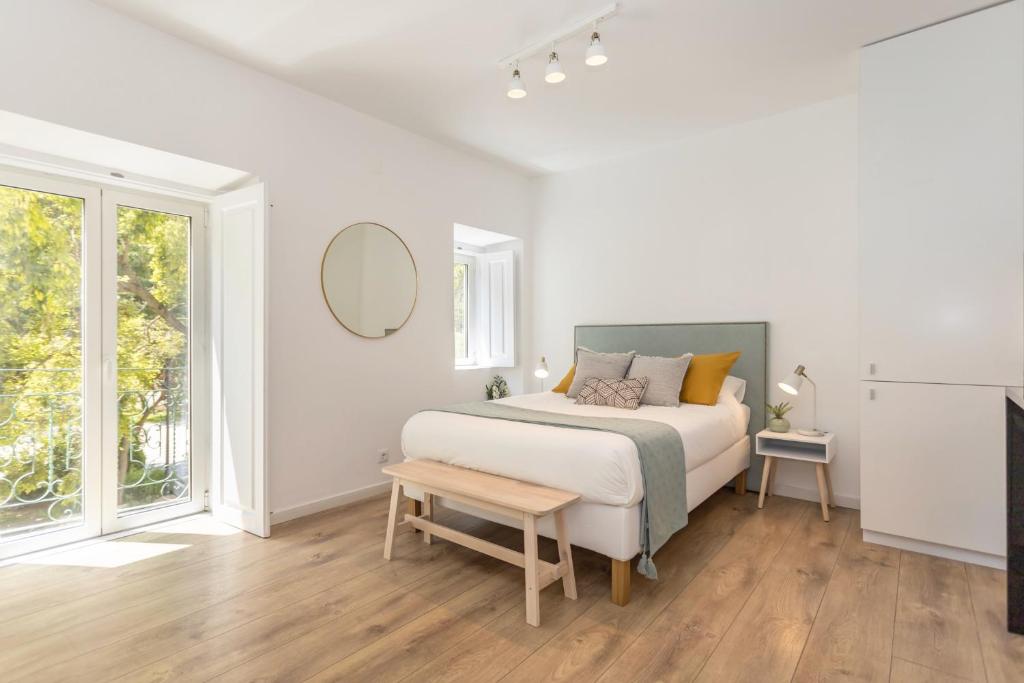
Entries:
{"x":662,"y":464}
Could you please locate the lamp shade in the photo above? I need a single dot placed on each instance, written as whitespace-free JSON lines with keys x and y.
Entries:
{"x":554,"y":72}
{"x":542,"y":369}
{"x":791,"y":385}
{"x":596,"y":56}
{"x":516,"y":89}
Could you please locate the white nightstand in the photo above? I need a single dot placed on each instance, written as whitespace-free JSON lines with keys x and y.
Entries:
{"x":820,"y":450}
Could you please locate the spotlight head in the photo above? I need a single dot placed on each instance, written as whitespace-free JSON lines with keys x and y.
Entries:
{"x":554,"y":72}
{"x":516,"y":89}
{"x":595,"y":53}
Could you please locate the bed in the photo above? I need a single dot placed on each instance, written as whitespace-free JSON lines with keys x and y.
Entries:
{"x":603,"y":467}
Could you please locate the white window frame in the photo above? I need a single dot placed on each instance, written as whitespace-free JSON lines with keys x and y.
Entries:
{"x":98,"y":321}
{"x":199,"y":440}
{"x":491,"y":309}
{"x":470,"y":262}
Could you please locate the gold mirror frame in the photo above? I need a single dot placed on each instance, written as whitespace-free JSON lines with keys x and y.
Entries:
{"x":415,"y":272}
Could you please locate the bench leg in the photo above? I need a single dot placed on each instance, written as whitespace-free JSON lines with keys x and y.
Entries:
{"x":428,"y":513}
{"x":565,"y":555}
{"x":741,"y":483}
{"x":389,"y":539}
{"x":621,"y":572}
{"x":530,"y":551}
{"x":414,"y":508}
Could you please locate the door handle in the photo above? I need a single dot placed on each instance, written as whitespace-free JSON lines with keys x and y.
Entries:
{"x":871,"y":394}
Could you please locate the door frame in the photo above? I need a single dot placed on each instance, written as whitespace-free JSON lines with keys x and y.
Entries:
{"x":199,"y":432}
{"x":92,"y":379}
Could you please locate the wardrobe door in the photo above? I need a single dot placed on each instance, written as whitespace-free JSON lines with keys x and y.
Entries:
{"x":933,"y":463}
{"x":942,"y":202}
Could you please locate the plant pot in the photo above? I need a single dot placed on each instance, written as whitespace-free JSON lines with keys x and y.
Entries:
{"x":778,"y":424}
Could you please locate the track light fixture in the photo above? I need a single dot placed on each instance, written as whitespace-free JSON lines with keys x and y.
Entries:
{"x":516,"y":89}
{"x":554,"y":73}
{"x":595,"y":53}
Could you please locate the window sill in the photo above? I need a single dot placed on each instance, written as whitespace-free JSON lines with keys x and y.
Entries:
{"x":483,"y":367}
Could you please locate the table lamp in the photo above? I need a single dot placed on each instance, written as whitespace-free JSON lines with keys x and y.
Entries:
{"x":791,"y":385}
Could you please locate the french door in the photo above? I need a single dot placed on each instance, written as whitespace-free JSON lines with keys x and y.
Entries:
{"x":101,"y":309}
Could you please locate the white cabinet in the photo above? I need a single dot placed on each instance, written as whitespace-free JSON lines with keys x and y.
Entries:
{"x":941,"y":202}
{"x":933,"y":463}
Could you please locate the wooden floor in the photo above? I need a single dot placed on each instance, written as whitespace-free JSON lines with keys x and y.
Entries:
{"x":769,"y":595}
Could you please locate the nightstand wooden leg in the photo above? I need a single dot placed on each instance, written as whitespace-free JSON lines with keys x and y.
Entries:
{"x":822,"y":489}
{"x":828,"y":480}
{"x":766,"y":473}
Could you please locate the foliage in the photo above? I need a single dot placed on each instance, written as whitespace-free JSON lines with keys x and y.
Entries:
{"x":460,"y":281}
{"x":41,"y":271}
{"x":498,"y":388}
{"x":779,"y":410}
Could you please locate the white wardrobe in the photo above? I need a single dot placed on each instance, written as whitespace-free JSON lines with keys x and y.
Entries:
{"x":941,"y":281}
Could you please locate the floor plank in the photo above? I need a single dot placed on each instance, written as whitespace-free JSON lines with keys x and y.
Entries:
{"x":77,"y":628}
{"x":765,"y":641}
{"x":675,"y":646}
{"x":743,"y":594}
{"x":851,"y":639}
{"x":496,"y":649}
{"x":1002,"y":651}
{"x":591,"y":643}
{"x":909,"y":672}
{"x":935,"y":624}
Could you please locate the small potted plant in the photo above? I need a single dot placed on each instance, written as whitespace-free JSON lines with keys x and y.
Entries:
{"x":498,"y":388}
{"x":779,"y":423}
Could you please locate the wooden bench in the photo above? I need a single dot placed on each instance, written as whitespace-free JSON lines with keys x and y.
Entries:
{"x":506,"y":497}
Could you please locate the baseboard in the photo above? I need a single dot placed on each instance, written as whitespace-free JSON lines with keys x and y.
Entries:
{"x":314,"y":506}
{"x":936,"y":549}
{"x":791,"y":491}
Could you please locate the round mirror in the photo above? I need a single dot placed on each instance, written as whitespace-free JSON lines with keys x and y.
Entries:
{"x":369,"y":280}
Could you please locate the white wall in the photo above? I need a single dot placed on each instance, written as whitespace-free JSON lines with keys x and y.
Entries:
{"x":753,"y":222}
{"x":335,"y":398}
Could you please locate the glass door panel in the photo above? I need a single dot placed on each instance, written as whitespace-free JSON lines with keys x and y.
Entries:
{"x":154,"y":466}
{"x":48,"y":456}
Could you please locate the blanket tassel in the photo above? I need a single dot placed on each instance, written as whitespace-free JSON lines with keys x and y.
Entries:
{"x":646,"y":567}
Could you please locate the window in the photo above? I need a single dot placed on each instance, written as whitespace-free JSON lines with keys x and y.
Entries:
{"x":461,"y":285}
{"x":96,"y":362}
{"x":484,"y":298}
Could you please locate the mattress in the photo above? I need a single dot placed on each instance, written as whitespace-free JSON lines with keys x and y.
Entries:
{"x":602,"y":467}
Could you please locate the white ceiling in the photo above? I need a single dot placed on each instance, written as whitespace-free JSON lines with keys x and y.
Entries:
{"x":676,"y":67}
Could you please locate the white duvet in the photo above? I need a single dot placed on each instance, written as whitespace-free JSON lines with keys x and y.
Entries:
{"x":602,"y":467}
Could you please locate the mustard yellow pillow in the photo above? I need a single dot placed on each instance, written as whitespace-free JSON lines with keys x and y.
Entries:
{"x":563,"y":386}
{"x":705,"y":376}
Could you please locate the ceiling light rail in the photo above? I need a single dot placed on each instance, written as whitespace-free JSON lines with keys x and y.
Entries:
{"x":585,"y":25}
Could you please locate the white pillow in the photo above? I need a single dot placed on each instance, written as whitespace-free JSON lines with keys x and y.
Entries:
{"x":735,"y":386}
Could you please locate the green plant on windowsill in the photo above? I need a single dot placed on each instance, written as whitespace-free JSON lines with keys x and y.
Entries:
{"x":498,"y":388}
{"x":779,"y":423}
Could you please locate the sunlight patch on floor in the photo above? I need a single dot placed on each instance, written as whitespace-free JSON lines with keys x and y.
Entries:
{"x":201,"y":525}
{"x":106,"y":555}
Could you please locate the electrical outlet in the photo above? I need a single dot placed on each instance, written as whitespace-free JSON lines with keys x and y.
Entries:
{"x":383,"y":455}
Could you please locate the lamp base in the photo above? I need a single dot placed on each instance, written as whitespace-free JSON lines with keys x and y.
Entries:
{"x":810,"y":432}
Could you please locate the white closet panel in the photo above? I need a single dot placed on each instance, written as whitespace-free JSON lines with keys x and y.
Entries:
{"x":942,"y":202}
{"x":933,"y":463}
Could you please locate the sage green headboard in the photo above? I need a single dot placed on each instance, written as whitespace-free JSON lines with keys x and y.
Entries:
{"x":750,"y":339}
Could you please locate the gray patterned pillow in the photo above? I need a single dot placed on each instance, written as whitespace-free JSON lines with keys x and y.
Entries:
{"x":617,"y":393}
